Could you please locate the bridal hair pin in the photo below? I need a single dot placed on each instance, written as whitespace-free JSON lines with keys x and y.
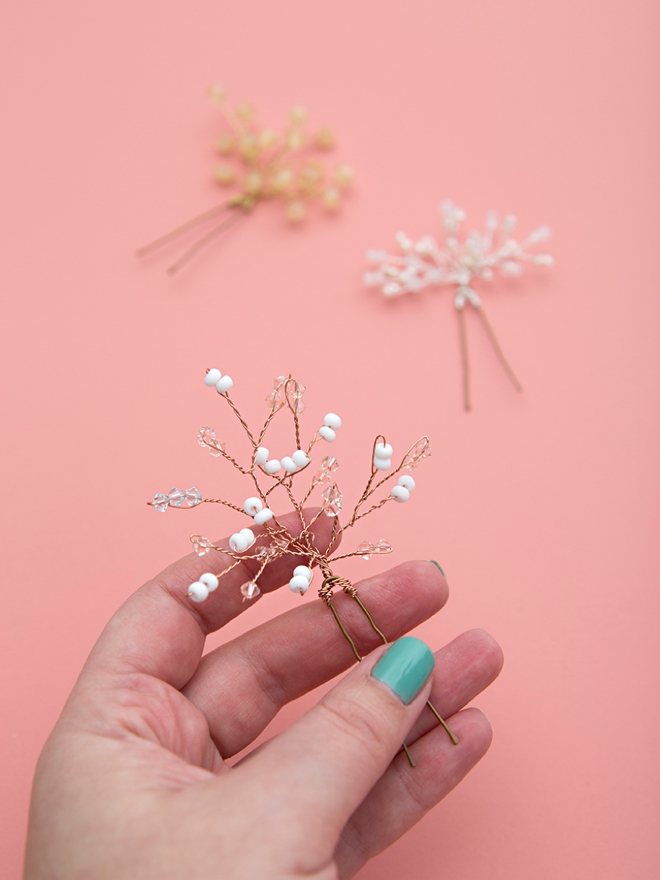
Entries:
{"x":267,"y":475}
{"x":424,"y":263}
{"x":262,"y":164}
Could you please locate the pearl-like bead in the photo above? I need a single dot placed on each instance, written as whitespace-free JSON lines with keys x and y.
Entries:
{"x":299,"y":584}
{"x":252,"y":506}
{"x":332,"y":420}
{"x":224,"y":384}
{"x":238,"y":543}
{"x":289,"y":465}
{"x":327,"y":433}
{"x":212,"y":377}
{"x":198,"y":592}
{"x":400,"y":493}
{"x":210,"y":581}
{"x":248,"y":535}
{"x":382,"y":464}
{"x":272,"y":467}
{"x":383,"y":450}
{"x":303,"y":571}
{"x":407,"y":482}
{"x":300,"y":458}
{"x":261,"y":456}
{"x":263,"y":516}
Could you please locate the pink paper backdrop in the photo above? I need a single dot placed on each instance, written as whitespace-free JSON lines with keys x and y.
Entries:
{"x":542,"y":508}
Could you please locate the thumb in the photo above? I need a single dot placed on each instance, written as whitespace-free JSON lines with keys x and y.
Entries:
{"x":326,"y":763}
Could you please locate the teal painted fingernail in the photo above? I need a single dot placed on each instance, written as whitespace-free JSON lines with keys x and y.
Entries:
{"x":438,"y":566}
{"x":405,"y":667}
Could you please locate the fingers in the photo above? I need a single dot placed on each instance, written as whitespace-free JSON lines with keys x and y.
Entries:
{"x":329,"y":760}
{"x":160,"y":632}
{"x":242,"y":685}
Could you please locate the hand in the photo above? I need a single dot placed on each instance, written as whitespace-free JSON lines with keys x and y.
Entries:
{"x":133,"y":783}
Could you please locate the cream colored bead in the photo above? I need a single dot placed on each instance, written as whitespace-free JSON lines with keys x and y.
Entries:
{"x":217,"y":94}
{"x":225,"y":143}
{"x":331,"y":198}
{"x":298,"y":115}
{"x":253,"y":182}
{"x":266,"y":138}
{"x":343,"y":175}
{"x":224,"y":174}
{"x":295,"y":211}
{"x":325,"y":138}
{"x":281,"y":180}
{"x":295,"y":139}
{"x":245,"y":112}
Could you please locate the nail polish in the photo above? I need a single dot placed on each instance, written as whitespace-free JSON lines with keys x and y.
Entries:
{"x":405,"y":667}
{"x":438,"y":566}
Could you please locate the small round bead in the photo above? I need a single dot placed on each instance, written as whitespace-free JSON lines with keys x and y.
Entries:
{"x":382,"y":464}
{"x":224,"y":384}
{"x":250,"y":590}
{"x":299,"y":584}
{"x":238,"y":543}
{"x":252,"y":506}
{"x":407,"y":482}
{"x":248,"y":535}
{"x":303,"y":571}
{"x":289,"y":465}
{"x":198,"y":592}
{"x":261,"y":456}
{"x":383,"y":450}
{"x":332,"y":420}
{"x":210,"y":581}
{"x":273,"y":466}
{"x":327,"y":433}
{"x":300,"y":458}
{"x":212,"y":377}
{"x":400,"y":493}
{"x":263,"y":516}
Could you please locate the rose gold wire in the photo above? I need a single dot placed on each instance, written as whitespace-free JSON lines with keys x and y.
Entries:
{"x":498,"y":348}
{"x":465,"y":361}
{"x":207,"y":239}
{"x":180,"y":230}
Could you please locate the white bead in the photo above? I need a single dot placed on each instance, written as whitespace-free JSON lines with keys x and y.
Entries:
{"x":289,"y":465}
{"x":248,"y":535}
{"x":303,"y":571}
{"x":224,"y":384}
{"x":400,"y":493}
{"x":272,"y":467}
{"x":212,"y":378}
{"x":198,"y":592}
{"x":238,"y":543}
{"x":327,"y":433}
{"x":407,"y":482}
{"x":332,"y":420}
{"x":299,"y":584}
{"x":261,"y":456}
{"x":210,"y":581}
{"x":383,"y":450}
{"x":382,"y":464}
{"x":263,"y":516}
{"x":300,"y":458}
{"x":252,"y":506}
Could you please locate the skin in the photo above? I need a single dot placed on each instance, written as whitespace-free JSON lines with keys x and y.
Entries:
{"x":133,"y":783}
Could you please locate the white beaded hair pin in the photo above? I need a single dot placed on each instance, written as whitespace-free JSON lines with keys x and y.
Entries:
{"x":263,"y":164}
{"x":265,"y":538}
{"x":424,"y":263}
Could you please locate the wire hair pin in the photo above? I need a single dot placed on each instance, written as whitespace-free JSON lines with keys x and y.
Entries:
{"x":424,"y":263}
{"x":267,"y":476}
{"x":263,"y":165}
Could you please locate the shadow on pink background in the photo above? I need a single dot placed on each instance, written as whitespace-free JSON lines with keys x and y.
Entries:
{"x":542,"y":508}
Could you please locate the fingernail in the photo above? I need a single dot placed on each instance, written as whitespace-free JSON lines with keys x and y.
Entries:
{"x":438,"y":566}
{"x":405,"y":667}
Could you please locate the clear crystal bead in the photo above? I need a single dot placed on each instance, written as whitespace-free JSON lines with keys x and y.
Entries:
{"x":192,"y":497}
{"x":332,"y":500}
{"x":329,"y":465}
{"x":365,"y":550}
{"x":250,"y":590}
{"x":201,"y":544}
{"x":176,"y":497}
{"x":421,"y":449}
{"x":160,"y":502}
{"x":207,"y":440}
{"x":383,"y":546}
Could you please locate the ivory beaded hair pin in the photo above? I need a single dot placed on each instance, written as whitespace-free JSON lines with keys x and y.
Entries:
{"x":424,"y":263}
{"x":262,"y":164}
{"x":269,"y":477}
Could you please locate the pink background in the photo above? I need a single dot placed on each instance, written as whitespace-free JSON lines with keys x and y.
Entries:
{"x":542,"y":508}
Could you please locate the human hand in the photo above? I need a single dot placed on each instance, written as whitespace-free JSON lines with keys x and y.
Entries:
{"x":133,"y":783}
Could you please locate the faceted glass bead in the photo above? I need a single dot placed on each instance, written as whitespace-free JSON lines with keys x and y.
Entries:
{"x":176,"y":497}
{"x":421,"y":449}
{"x":329,"y":464}
{"x":160,"y":502}
{"x":383,"y":546}
{"x":207,"y":440}
{"x":332,"y":500}
{"x":192,"y":497}
{"x":250,"y":590}
{"x":201,"y":544}
{"x":366,"y":550}
{"x":265,"y":553}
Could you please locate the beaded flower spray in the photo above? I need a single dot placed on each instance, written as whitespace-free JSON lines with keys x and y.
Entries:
{"x":263,"y":164}
{"x":267,"y":476}
{"x":424,"y":263}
